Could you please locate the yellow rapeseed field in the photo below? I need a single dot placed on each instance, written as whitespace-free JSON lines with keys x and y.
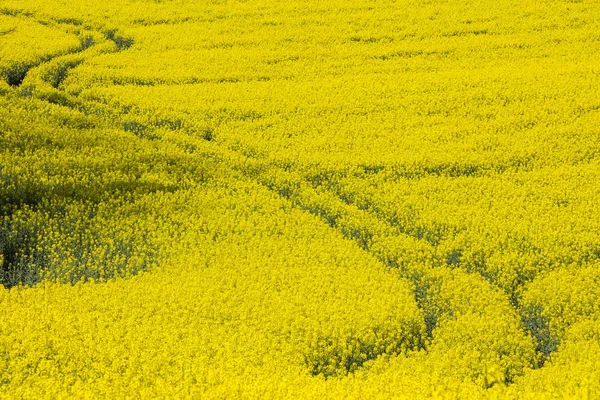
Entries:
{"x":221,"y":199}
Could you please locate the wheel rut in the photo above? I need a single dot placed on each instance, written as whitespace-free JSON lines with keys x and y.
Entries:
{"x":92,"y":41}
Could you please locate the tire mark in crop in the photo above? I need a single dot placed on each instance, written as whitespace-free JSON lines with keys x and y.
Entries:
{"x":452,"y":259}
{"x":415,"y":230}
{"x":17,"y":74}
{"x":363,"y":238}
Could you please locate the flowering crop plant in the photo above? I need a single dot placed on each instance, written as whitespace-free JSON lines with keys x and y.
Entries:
{"x":302,"y":199}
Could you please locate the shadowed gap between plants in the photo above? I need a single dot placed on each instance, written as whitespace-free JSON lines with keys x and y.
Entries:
{"x":362,"y":237}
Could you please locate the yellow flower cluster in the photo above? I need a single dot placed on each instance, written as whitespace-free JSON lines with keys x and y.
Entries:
{"x":301,"y":199}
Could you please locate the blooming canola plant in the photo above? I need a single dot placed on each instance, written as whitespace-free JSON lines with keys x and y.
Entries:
{"x":301,"y":199}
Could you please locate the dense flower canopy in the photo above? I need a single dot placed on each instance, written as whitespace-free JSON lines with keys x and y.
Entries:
{"x":299,"y":199}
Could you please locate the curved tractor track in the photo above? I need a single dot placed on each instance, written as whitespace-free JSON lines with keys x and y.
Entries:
{"x":43,"y":77}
